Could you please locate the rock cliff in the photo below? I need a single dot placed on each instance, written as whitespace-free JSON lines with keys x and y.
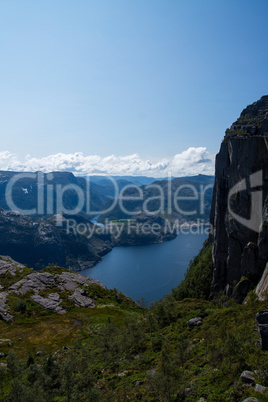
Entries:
{"x":239,"y":215}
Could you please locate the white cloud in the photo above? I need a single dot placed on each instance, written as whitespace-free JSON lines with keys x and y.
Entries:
{"x":189,"y":162}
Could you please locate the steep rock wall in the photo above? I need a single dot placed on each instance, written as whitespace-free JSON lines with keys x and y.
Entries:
{"x":239,"y":215}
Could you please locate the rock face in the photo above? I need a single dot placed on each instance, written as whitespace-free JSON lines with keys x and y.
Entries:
{"x":262,"y":287}
{"x":262,"y":325}
{"x":239,"y":214}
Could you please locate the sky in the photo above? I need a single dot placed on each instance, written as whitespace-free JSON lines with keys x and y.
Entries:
{"x":126,"y":87}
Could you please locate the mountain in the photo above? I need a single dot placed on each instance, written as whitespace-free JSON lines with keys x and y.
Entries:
{"x":66,"y":337}
{"x":47,"y":241}
{"x":44,"y":193}
{"x":160,"y":198}
{"x":239,"y":213}
{"x":138,"y":180}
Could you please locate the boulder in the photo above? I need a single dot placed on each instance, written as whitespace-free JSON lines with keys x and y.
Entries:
{"x":250,"y":399}
{"x":247,"y":377}
{"x":260,"y":389}
{"x":80,"y":300}
{"x":194,"y":322}
{"x":49,"y":303}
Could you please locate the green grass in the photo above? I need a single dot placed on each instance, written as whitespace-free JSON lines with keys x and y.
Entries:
{"x":119,"y":351}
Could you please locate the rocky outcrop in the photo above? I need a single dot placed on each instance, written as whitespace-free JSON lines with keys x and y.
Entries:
{"x":239,"y":215}
{"x":44,"y":288}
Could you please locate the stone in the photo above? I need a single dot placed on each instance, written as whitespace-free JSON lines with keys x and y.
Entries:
{"x":262,"y":326}
{"x":186,"y":392}
{"x":122,"y":374}
{"x":137,"y":383}
{"x":250,"y":399}
{"x":48,"y":303}
{"x":6,"y":317}
{"x":80,"y":300}
{"x":84,"y":292}
{"x":2,"y":354}
{"x":247,"y":377}
{"x":260,"y":389}
{"x":194,"y":322}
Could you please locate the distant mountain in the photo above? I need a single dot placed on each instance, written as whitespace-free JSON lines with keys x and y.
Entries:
{"x":44,"y":192}
{"x":107,"y":188}
{"x":138,"y":180}
{"x":195,"y":203}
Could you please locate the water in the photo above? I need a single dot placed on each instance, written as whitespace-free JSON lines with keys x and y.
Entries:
{"x":147,"y":271}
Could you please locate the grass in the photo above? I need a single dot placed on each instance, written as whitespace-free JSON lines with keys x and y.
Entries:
{"x":119,"y":351}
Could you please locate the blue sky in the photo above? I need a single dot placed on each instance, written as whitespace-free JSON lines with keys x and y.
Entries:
{"x":144,"y":83}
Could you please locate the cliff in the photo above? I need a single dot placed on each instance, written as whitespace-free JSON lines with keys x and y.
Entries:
{"x":239,"y":215}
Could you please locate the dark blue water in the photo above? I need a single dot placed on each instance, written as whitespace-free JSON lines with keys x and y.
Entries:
{"x":147,"y":271}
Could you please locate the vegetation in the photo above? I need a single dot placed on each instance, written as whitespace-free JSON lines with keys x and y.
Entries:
{"x":122,"y":351}
{"x":198,"y":278}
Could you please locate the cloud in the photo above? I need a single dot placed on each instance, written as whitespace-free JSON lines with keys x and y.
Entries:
{"x":189,"y":162}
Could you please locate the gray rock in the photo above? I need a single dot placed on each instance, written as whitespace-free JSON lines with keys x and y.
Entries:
{"x":260,"y":389}
{"x":36,"y":281}
{"x":186,"y":392}
{"x":3,"y":298}
{"x":262,"y":325}
{"x":9,"y":265}
{"x":137,"y":383}
{"x":122,"y":374}
{"x":194,"y":322}
{"x":55,"y":297}
{"x":2,"y":354}
{"x":84,"y":292}
{"x":49,"y":303}
{"x":247,"y":377}
{"x":80,"y":300}
{"x":6,"y":317}
{"x":250,"y":399}
{"x":71,"y":281}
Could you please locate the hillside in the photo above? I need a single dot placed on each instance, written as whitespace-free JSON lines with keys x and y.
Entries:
{"x":44,"y":241}
{"x":162,"y":198}
{"x":66,"y":337}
